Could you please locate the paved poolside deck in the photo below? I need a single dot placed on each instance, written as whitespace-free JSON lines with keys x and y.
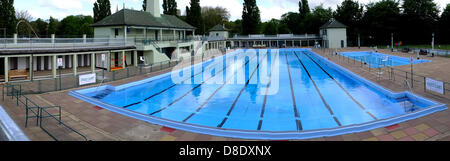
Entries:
{"x":103,"y":125}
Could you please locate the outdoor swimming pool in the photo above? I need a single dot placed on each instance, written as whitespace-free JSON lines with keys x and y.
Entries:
{"x":281,"y":94}
{"x":377,"y":60}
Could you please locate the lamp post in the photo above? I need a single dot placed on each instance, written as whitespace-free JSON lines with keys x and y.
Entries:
{"x":432,"y":41}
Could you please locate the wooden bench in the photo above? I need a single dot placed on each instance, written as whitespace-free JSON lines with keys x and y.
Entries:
{"x":18,"y":74}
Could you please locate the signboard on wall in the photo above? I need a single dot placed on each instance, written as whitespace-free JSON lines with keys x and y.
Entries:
{"x":435,"y":86}
{"x":87,"y":79}
{"x":60,"y":62}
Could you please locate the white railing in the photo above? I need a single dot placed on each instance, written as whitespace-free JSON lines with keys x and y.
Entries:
{"x":34,"y":43}
{"x":304,"y":36}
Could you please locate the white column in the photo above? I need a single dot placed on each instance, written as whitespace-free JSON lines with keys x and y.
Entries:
{"x":53,"y":38}
{"x":135,"y":57}
{"x":123,"y":59}
{"x":15,"y":38}
{"x":75,"y":64}
{"x":84,"y":38}
{"x":92,"y":63}
{"x":6,"y":69}
{"x":54,"y":66}
{"x":31,"y":68}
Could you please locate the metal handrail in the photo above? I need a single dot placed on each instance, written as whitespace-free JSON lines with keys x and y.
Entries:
{"x":42,"y":110}
{"x":39,"y":113}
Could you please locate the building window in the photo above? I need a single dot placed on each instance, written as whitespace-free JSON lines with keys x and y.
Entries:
{"x":217,"y":34}
{"x":116,"y":32}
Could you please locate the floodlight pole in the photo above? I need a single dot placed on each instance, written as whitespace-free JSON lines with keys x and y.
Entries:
{"x":359,"y":41}
{"x":432,"y":41}
{"x":392,"y":41}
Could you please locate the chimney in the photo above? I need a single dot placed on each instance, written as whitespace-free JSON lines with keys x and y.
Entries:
{"x":153,"y":7}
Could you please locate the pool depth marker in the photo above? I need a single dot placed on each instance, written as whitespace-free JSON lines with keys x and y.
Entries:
{"x":239,"y":95}
{"x":318,"y":91}
{"x":175,"y":101}
{"x":297,"y":115}
{"x":357,"y":102}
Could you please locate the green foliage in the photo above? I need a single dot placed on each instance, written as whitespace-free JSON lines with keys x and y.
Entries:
{"x":303,"y":9}
{"x":381,"y":20}
{"x":53,"y":25}
{"x":170,"y":7}
{"x":76,"y":25}
{"x":419,"y":21}
{"x":234,"y":26}
{"x":350,"y":13}
{"x":271,"y":27}
{"x":7,"y":16}
{"x":292,"y":21}
{"x":41,"y":27}
{"x":251,"y":18}
{"x":194,"y":16}
{"x":102,"y":9}
{"x":144,"y":5}
{"x":213,"y":16}
{"x":444,"y":25}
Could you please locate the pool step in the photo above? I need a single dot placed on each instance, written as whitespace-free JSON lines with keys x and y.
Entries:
{"x":407,"y":104}
{"x":103,"y":94}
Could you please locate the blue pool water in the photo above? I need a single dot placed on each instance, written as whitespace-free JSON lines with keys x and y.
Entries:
{"x":312,"y":95}
{"x":377,"y":60}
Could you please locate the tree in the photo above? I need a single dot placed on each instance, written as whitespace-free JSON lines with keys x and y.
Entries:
{"x":251,"y":18}
{"x":292,"y":21}
{"x":53,"y":25}
{"x":234,"y":26}
{"x":319,"y":16}
{"x":214,"y":15}
{"x":381,"y":20}
{"x":144,"y":5}
{"x":194,"y":16}
{"x":303,"y":9}
{"x":419,"y":15}
{"x":271,"y":27}
{"x":41,"y":27}
{"x":25,"y":27}
{"x":350,"y":13}
{"x":444,"y":23}
{"x":102,"y":9}
{"x":8,"y":16}
{"x":170,"y":7}
{"x":76,"y":26}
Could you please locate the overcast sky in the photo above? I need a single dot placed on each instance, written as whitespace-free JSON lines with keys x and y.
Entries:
{"x":269,"y":8}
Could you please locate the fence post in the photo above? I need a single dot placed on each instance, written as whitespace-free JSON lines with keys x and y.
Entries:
{"x":128,"y":72}
{"x":425,"y":85}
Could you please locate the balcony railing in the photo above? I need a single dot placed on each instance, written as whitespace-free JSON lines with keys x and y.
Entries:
{"x":64,"y":43}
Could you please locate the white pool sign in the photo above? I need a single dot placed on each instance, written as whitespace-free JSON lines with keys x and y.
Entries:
{"x":87,"y":79}
{"x":435,"y":85}
{"x":60,"y":62}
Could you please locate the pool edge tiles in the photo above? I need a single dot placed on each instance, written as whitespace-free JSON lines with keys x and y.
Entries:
{"x":283,"y":135}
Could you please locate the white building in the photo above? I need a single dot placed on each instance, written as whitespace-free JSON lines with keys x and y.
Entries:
{"x":158,"y":37}
{"x":334,"y":34}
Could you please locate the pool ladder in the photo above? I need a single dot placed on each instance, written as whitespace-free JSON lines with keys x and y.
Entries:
{"x":408,"y":105}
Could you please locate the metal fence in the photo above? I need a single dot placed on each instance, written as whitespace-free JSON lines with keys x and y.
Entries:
{"x":383,"y":70}
{"x":69,"y":81}
{"x":49,"y":119}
